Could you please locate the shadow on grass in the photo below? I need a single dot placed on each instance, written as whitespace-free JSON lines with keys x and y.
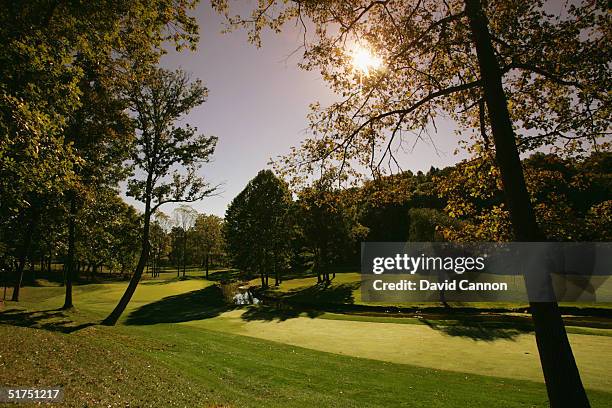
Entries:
{"x":468,"y":326}
{"x":161,"y":281}
{"x":235,"y":275}
{"x":195,"y":305}
{"x":52,"y":320}
{"x":271,"y":313}
{"x":201,"y":275}
{"x":311,"y":302}
{"x":319,"y":295}
{"x":158,"y":282}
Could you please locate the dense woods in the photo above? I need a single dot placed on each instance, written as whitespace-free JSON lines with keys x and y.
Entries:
{"x":319,"y":229}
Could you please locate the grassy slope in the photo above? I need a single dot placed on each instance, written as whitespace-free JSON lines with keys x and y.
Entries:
{"x":194,"y":366}
{"x":169,"y":365}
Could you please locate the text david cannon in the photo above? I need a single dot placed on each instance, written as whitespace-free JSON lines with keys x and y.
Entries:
{"x":424,"y":284}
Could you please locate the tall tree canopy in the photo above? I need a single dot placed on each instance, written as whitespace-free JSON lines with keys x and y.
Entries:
{"x":208,"y":238}
{"x":571,"y":198}
{"x":167,"y":156}
{"x":329,"y":227}
{"x":61,"y":63}
{"x":41,"y":44}
{"x":257,"y":227}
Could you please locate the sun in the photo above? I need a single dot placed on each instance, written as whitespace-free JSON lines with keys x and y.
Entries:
{"x":364,"y":61}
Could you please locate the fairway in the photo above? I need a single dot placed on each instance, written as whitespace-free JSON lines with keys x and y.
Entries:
{"x":513,"y":355}
{"x":217,"y":354}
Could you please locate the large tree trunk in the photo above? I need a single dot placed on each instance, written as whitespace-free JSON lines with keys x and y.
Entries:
{"x":563,"y":382}
{"x":23,"y":253}
{"x":112,"y":318}
{"x":276,"y":275}
{"x":69,"y":264}
{"x":19,"y":278}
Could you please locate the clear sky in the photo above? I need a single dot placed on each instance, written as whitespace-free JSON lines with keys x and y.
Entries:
{"x":257,"y":106}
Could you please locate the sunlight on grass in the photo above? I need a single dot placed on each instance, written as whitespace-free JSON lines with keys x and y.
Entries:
{"x":411,"y":344}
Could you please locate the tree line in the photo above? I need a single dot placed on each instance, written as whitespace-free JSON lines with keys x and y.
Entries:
{"x":106,"y":244}
{"x":270,"y":230}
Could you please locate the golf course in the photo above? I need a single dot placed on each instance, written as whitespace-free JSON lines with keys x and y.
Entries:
{"x":309,"y":204}
{"x":181,"y":343}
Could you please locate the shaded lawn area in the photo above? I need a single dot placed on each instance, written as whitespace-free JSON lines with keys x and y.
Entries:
{"x":174,"y":365}
{"x":195,"y":305}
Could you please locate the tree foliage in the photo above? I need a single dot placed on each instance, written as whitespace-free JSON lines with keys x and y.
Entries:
{"x":257,"y":227}
{"x":555,"y":70}
{"x":570,"y":197}
{"x":328,"y":221}
{"x":208,"y":239}
{"x":167,"y":156}
{"x":43,"y":45}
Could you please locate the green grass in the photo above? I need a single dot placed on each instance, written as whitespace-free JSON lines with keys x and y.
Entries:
{"x":449,"y":322}
{"x":173,"y":365}
{"x":180,"y":345}
{"x":477,"y":349}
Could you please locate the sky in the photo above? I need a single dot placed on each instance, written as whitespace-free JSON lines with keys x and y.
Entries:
{"x":257,"y":106}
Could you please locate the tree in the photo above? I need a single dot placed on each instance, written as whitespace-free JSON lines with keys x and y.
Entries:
{"x":158,"y":99}
{"x":426,"y":223}
{"x":101,"y":133}
{"x":387,"y":201}
{"x":184,"y":218}
{"x":566,"y":194}
{"x":257,"y":228}
{"x":43,"y":47}
{"x":329,"y":226}
{"x":126,"y":232}
{"x":506,"y":70}
{"x":103,"y":227}
{"x":23,"y":233}
{"x":159,"y":240}
{"x":208,"y":238}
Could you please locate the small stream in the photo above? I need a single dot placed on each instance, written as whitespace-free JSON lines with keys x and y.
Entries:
{"x":239,"y":294}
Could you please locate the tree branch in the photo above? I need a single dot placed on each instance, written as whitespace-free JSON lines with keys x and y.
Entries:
{"x":549,"y":75}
